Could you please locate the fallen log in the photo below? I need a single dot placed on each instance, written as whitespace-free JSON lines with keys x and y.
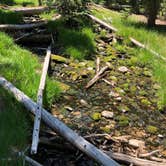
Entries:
{"x":107,"y":26}
{"x":133,"y":160}
{"x":30,"y":10}
{"x":59,"y":126}
{"x":36,"y":129}
{"x":25,"y":26}
{"x":137,"y":43}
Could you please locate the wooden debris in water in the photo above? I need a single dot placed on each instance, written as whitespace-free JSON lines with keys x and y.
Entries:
{"x":35,"y":138}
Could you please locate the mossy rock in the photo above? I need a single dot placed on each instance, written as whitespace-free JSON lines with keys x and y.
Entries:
{"x":146,"y":102}
{"x":147,"y":73}
{"x":122,"y":120}
{"x":96,"y":116}
{"x":142,"y":92}
{"x":59,"y":58}
{"x":106,"y":129}
{"x":151,"y":129}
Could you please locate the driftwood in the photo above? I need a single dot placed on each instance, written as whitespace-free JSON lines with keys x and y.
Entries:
{"x":97,"y":77}
{"x":107,"y":26}
{"x":59,"y":126}
{"x":35,"y":138}
{"x":37,"y":38}
{"x":133,"y":160}
{"x":25,"y":26}
{"x":137,"y":43}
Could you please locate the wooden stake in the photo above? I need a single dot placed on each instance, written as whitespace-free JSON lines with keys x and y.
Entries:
{"x":137,"y":43}
{"x":35,"y":138}
{"x":59,"y":126}
{"x":107,"y":26}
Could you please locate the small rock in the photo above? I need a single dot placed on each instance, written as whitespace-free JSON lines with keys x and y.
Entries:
{"x":160,"y":136}
{"x":118,"y":99}
{"x":68,"y":108}
{"x":83,"y":102}
{"x":107,"y":114}
{"x":136,"y":143}
{"x":123,"y":69}
{"x":113,"y":94}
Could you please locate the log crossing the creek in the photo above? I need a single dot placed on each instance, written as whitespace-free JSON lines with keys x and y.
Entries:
{"x":60,"y":127}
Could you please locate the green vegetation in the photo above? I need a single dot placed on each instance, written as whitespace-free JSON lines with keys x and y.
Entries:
{"x":19,"y":2}
{"x":77,"y":43}
{"x":154,"y":38}
{"x":9,"y":17}
{"x":20,"y":67}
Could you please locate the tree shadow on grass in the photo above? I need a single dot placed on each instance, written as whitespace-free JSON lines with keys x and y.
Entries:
{"x":78,"y":43}
{"x":7,"y":2}
{"x":10,"y":17}
{"x":161,"y":29}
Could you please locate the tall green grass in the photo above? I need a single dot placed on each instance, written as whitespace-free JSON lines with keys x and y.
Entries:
{"x":155,"y":38}
{"x":20,"y":67}
{"x":78,"y":43}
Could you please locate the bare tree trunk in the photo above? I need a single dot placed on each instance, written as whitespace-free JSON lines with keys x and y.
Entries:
{"x":40,"y":2}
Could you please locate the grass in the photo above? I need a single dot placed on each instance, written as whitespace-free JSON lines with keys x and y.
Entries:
{"x":9,"y":17}
{"x":20,"y":67}
{"x":154,"y":38}
{"x":19,"y":2}
{"x":77,"y":43}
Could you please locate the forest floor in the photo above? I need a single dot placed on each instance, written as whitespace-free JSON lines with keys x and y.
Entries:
{"x":121,"y":111}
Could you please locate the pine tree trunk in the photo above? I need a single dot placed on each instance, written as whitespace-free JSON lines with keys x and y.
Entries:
{"x":151,"y":20}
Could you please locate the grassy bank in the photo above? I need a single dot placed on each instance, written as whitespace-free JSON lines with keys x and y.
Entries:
{"x":19,"y":2}
{"x":77,"y":42}
{"x":155,"y":38}
{"x":22,"y":68}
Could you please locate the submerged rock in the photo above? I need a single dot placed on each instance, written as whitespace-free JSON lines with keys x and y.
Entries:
{"x":123,"y":69}
{"x":107,"y":114}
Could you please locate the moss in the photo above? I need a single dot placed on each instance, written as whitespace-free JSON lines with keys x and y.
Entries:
{"x":145,"y":102}
{"x":147,"y":73}
{"x":151,"y":129}
{"x":123,"y":120}
{"x":96,"y":116}
{"x":106,"y":129}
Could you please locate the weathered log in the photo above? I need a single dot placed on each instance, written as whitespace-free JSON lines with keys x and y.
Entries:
{"x":30,"y":10}
{"x":25,"y":26}
{"x":34,"y":38}
{"x":107,"y":26}
{"x":31,"y":161}
{"x":97,"y":77}
{"x":36,"y":129}
{"x":133,"y":160}
{"x":139,"y":44}
{"x":59,"y":126}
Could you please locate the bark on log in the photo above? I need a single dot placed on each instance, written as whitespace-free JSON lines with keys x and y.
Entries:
{"x":25,"y":26}
{"x":36,"y":130}
{"x":135,"y":161}
{"x":30,"y":10}
{"x":60,"y":127}
{"x":107,"y":26}
{"x":137,"y":43}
